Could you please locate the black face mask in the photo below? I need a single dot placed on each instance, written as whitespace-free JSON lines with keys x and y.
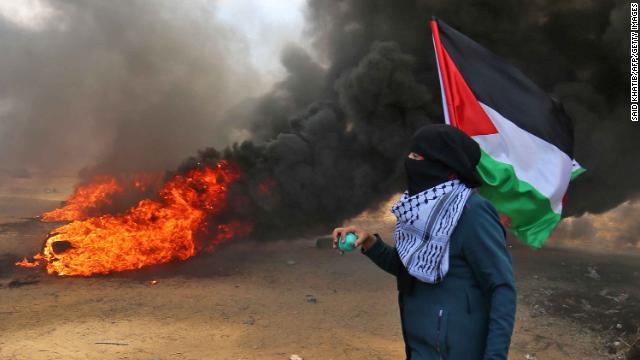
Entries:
{"x":448,"y":153}
{"x":425,"y":174}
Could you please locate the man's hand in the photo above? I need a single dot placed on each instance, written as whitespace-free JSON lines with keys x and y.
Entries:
{"x":365,"y":239}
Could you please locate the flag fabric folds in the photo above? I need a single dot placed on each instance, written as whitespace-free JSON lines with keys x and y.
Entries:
{"x":525,"y":135}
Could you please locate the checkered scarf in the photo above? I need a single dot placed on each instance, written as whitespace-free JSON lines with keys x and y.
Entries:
{"x":424,"y":225}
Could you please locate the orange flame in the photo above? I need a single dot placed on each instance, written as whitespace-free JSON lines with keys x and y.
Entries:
{"x":152,"y":232}
{"x":86,"y":197}
{"x":29,"y":264}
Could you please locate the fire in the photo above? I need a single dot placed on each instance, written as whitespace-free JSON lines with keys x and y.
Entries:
{"x":29,"y":264}
{"x":86,"y":197}
{"x":152,"y":232}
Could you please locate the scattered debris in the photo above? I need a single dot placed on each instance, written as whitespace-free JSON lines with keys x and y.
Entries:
{"x":311,"y":299}
{"x":530,"y":356}
{"x":537,"y":310}
{"x":295,"y":357}
{"x":118,"y":343}
{"x":585,"y":305}
{"x":614,"y":347}
{"x":547,"y":292}
{"x":22,"y":282}
{"x":592,"y":273}
{"x":620,"y":298}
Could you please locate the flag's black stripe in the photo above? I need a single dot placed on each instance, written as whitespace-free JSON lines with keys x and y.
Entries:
{"x":507,"y":90}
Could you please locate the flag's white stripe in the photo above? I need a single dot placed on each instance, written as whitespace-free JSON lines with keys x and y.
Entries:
{"x":575,"y":165}
{"x":445,"y":108}
{"x":535,"y":161}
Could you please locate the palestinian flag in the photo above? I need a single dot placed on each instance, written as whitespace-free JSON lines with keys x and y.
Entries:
{"x":525,"y":136}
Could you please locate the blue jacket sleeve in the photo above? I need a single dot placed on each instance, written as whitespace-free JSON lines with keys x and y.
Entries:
{"x":490,"y":261}
{"x":383,"y":255}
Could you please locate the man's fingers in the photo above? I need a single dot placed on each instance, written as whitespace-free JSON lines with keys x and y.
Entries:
{"x":350,"y":229}
{"x":340,"y":234}
{"x":337,"y":232}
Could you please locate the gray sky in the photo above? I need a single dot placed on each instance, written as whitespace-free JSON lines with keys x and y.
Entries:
{"x":267,"y":25}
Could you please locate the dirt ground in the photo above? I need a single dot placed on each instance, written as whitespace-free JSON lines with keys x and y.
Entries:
{"x":251,"y":300}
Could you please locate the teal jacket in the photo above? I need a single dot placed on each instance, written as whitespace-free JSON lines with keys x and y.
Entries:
{"x":470,"y":314}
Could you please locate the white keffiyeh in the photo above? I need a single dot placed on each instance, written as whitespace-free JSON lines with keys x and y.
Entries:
{"x":425,"y":222}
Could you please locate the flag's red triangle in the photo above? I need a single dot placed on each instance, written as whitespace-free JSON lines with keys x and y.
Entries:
{"x":463,"y":108}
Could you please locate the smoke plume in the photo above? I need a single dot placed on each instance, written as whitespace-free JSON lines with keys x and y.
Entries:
{"x":331,"y":159}
{"x":327,"y":141}
{"x":126,"y":86}
{"x":332,"y":140}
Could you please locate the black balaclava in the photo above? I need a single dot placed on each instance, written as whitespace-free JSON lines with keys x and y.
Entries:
{"x":448,"y":153}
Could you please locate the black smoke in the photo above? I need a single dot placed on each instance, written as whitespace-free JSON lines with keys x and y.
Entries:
{"x":327,"y":141}
{"x":333,"y":158}
{"x":576,"y":51}
{"x":121,"y":85}
{"x":332,"y":140}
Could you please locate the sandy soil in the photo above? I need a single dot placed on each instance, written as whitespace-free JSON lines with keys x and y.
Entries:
{"x":253,"y":300}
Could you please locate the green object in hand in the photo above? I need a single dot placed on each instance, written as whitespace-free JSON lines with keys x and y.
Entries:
{"x":349,"y":242}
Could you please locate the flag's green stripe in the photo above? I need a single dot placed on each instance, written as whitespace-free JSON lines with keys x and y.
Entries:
{"x":577,"y":172}
{"x":532,"y":218}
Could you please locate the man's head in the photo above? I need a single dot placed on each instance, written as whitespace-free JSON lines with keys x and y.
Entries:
{"x":439,"y":153}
